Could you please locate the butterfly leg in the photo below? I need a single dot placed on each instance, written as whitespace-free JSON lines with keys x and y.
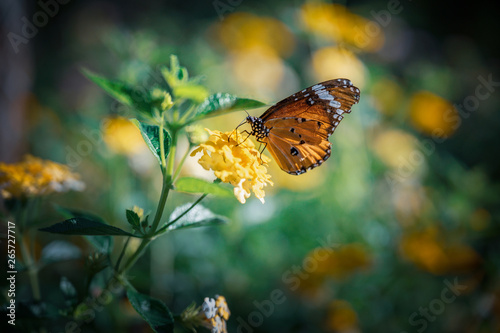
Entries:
{"x":247,"y":132}
{"x":265,"y":145}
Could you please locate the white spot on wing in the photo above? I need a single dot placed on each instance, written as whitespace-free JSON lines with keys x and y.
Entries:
{"x":335,"y":104}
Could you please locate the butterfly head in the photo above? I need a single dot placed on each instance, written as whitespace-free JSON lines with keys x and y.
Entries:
{"x":258,"y":128}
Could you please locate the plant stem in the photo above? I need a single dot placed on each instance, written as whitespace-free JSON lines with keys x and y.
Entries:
{"x":117,"y":266}
{"x":131,"y":261}
{"x":32,"y":270}
{"x":27,"y":258}
{"x":166,"y":185}
{"x":183,"y":213}
{"x":178,"y":170}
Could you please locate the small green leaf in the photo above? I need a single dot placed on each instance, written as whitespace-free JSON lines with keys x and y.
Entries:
{"x":222,"y":103}
{"x":152,"y":310}
{"x":133,"y":218}
{"x":151,"y":135}
{"x":195,"y":185}
{"x":137,"y":98}
{"x":85,"y":226}
{"x":198,"y":216}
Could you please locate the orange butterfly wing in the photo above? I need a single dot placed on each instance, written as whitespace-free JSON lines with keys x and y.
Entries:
{"x":300,"y":125}
{"x":296,"y":145}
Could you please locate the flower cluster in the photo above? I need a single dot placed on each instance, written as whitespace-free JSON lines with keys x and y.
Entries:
{"x":212,"y":314}
{"x":235,"y":162}
{"x":34,"y":177}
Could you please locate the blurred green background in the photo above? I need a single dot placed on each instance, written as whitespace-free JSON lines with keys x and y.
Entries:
{"x":408,"y":202}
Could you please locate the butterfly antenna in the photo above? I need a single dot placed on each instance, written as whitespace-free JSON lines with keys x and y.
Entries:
{"x":241,"y":124}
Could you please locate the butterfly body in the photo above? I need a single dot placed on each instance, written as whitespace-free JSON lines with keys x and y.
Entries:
{"x":296,"y":129}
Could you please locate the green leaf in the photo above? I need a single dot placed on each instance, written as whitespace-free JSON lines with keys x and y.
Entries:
{"x":151,"y":135}
{"x":152,"y":310}
{"x":135,"y":97}
{"x":133,"y":218}
{"x":85,"y":226}
{"x":198,"y":216}
{"x":222,"y":103}
{"x":103,"y":244}
{"x":195,"y":185}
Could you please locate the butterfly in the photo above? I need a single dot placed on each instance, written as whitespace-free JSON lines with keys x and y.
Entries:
{"x":296,"y":129}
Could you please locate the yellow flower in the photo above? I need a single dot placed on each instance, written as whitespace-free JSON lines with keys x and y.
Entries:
{"x":34,"y":176}
{"x":222,"y":308}
{"x":394,"y":146}
{"x":139,"y":211}
{"x":256,"y":47}
{"x":121,"y":136}
{"x":243,"y":32}
{"x":433,"y":115}
{"x":235,"y":162}
{"x":337,"y":23}
{"x":333,"y":62}
{"x":341,"y":317}
{"x":429,"y":250}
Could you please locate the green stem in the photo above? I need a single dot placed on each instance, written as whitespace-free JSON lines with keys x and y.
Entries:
{"x":179,"y":167}
{"x":166,"y":185}
{"x":131,"y":261}
{"x":186,"y":116}
{"x":27,"y":258}
{"x":117,"y":266}
{"x":32,"y":270}
{"x":164,"y":228}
